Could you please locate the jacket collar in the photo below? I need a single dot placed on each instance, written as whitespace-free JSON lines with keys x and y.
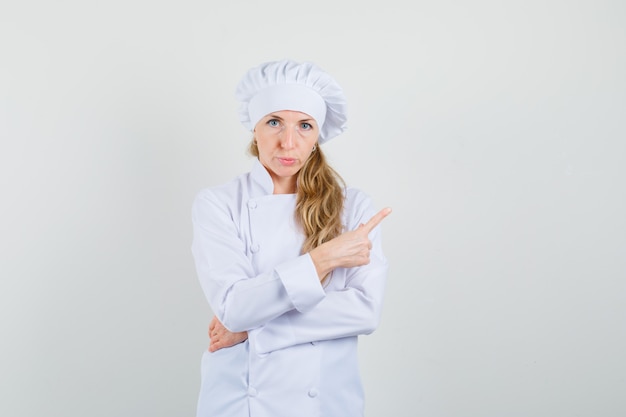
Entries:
{"x":261,"y":178}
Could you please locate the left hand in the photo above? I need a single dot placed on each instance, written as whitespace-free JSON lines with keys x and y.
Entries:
{"x":221,"y":337}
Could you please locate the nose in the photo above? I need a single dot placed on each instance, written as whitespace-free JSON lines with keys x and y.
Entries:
{"x":287,"y":138}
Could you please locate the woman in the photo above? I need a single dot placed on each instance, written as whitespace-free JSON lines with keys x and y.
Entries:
{"x":288,"y":258}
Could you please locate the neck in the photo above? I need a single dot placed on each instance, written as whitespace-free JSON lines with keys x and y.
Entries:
{"x":284,"y":185}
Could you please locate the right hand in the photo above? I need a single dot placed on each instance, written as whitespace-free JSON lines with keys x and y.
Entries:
{"x":347,"y":250}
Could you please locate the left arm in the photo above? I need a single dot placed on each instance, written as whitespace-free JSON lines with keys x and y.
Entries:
{"x":351,"y":311}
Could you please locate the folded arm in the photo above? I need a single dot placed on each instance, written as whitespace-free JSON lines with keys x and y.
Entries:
{"x":240,"y":298}
{"x":350,"y":311}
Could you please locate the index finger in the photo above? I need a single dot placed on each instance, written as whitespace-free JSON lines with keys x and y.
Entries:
{"x":376,"y":219}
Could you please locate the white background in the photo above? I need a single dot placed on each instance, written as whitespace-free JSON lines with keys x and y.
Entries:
{"x":495,"y":130}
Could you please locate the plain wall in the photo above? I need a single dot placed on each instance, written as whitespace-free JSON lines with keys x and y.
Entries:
{"x":495,"y":130}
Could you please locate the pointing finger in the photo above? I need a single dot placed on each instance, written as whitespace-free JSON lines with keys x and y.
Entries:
{"x":376,"y":219}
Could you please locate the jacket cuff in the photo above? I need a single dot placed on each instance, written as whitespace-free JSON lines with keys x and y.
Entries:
{"x":301,"y":282}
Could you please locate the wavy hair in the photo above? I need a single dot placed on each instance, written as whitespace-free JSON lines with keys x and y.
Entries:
{"x":319,"y":200}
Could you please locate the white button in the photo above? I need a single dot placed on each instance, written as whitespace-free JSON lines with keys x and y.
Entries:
{"x":251,"y":204}
{"x":252,"y":392}
{"x":313,"y":393}
{"x":255,"y":248}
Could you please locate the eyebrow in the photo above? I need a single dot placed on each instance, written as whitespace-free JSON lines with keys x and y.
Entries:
{"x":275,"y":116}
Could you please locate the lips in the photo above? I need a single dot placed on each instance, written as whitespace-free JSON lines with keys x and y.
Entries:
{"x":287,"y":161}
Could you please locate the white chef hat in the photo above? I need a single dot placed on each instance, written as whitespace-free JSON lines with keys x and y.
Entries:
{"x":289,"y":85}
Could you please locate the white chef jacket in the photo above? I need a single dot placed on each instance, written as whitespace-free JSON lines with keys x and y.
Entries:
{"x":300,"y":359}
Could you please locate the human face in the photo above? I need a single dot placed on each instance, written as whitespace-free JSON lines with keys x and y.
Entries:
{"x":285,"y":140}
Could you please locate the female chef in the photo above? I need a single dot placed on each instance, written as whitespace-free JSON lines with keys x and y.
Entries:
{"x":289,"y":259}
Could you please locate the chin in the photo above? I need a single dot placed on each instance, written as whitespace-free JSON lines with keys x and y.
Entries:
{"x":287,"y":171}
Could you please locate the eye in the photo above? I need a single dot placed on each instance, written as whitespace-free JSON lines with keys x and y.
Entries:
{"x":306,"y":126}
{"x":273,"y":123}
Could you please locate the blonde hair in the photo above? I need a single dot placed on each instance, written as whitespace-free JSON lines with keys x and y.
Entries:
{"x":319,"y":200}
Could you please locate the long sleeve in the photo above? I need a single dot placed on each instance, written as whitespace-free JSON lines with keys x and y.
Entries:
{"x":351,"y":310}
{"x":239,"y":297}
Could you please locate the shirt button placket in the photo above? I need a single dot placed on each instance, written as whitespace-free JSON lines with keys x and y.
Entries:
{"x":252,"y":205}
